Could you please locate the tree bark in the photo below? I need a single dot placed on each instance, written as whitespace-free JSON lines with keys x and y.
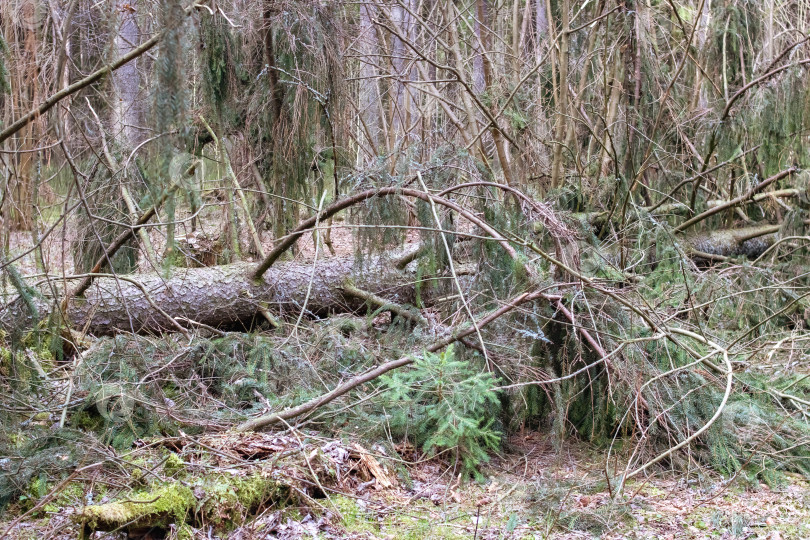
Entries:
{"x":221,"y":296}
{"x":720,"y":244}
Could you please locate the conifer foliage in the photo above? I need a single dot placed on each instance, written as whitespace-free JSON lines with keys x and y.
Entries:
{"x":588,"y":219}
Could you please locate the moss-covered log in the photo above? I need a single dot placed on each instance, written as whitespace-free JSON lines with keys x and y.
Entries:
{"x":159,"y":508}
{"x":221,"y":500}
{"x":221,"y":296}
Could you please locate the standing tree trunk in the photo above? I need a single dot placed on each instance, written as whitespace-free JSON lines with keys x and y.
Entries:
{"x":562,"y":99}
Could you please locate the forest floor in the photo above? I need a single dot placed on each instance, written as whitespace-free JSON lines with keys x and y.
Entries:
{"x":530,"y":491}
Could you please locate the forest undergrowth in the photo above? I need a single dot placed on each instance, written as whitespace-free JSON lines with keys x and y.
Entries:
{"x":452,"y":269}
{"x":152,"y":396}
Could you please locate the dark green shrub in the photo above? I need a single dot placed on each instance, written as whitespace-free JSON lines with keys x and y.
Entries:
{"x":445,"y":404}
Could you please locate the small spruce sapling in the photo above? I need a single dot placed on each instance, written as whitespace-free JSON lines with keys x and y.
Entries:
{"x":443,"y":403}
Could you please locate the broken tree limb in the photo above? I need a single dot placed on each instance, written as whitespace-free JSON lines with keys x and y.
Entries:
{"x":598,"y":219}
{"x":754,"y":195}
{"x":97,"y":75}
{"x":777,"y":194}
{"x":306,"y":225}
{"x":703,"y":174}
{"x":288,"y":241}
{"x":384,"y":304}
{"x":735,"y":201}
{"x":337,"y":206}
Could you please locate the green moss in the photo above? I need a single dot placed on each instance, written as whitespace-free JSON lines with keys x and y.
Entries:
{"x":234,"y":496}
{"x":184,"y":532}
{"x":255,"y":490}
{"x":86,"y":421}
{"x":349,"y":326}
{"x":76,"y":491}
{"x":355,"y":520}
{"x":226,"y":500}
{"x":173,"y":465}
{"x":72,"y":495}
{"x":38,"y":487}
{"x":418,"y":524}
{"x":161,"y":507}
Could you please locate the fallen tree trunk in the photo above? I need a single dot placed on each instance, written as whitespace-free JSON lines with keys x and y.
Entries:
{"x":721,"y":244}
{"x":221,"y":296}
{"x":225,"y":296}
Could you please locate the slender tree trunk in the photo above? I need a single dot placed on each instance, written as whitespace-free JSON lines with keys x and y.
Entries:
{"x":562,"y":102}
{"x":608,"y":146}
{"x":128,"y":113}
{"x":469,"y":108}
{"x":497,"y":136}
{"x":369,"y":91}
